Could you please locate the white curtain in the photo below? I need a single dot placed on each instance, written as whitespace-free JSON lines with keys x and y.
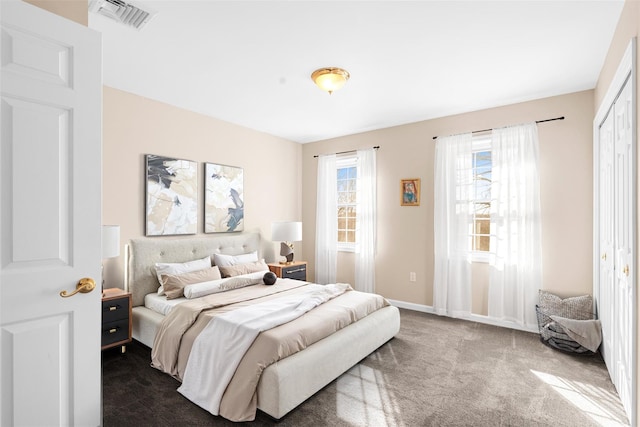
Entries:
{"x":326,"y":220}
{"x":515,"y":215}
{"x":452,"y":222}
{"x":365,"y":274}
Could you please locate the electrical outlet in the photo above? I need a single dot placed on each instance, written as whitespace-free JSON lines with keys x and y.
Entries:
{"x":412,"y":276}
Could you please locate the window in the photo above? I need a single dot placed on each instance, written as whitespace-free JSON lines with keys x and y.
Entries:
{"x":480,"y":240}
{"x":347,"y":202}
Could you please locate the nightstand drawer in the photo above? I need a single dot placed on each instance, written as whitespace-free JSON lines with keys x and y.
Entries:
{"x":116,"y":318}
{"x":297,"y":272}
{"x":113,"y":332}
{"x":115,"y":309}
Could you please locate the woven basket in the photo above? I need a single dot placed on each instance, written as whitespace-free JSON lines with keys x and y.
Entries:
{"x":555,"y":336}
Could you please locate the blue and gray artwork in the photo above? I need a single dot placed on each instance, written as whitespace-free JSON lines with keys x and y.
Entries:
{"x":172,"y":196}
{"x":224,"y":200}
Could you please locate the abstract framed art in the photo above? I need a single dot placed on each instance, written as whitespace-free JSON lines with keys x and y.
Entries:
{"x":223,"y":198}
{"x":410,"y":192}
{"x":172,"y":196}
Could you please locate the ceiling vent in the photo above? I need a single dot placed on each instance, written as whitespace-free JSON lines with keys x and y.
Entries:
{"x":123,"y":12}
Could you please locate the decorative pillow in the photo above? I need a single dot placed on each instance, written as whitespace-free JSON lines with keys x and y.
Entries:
{"x":239,"y":269}
{"x":180,"y":268}
{"x":222,"y":260}
{"x":269,"y":278}
{"x":239,"y":282}
{"x":174,"y":283}
{"x":215,"y":286}
{"x":577,"y":308}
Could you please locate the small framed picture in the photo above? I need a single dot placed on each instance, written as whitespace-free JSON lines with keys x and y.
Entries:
{"x":410,"y":192}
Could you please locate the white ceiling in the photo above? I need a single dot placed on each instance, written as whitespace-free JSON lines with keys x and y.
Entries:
{"x":250,"y":63}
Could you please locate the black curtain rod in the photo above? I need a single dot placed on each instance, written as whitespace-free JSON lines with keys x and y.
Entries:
{"x":537,"y":121}
{"x":345,"y":152}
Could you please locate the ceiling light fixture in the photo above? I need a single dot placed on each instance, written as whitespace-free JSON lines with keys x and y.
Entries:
{"x":330,"y":78}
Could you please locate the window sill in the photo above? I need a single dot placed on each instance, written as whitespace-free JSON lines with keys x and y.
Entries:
{"x":481,"y":257}
{"x":346,"y":248}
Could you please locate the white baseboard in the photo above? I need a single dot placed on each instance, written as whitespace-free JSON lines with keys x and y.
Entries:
{"x":472,"y":317}
{"x":412,"y":306}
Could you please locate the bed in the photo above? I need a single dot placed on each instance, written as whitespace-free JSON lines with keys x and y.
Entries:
{"x":288,"y":382}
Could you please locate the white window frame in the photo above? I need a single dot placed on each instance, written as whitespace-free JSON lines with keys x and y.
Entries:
{"x":347,"y":162}
{"x":481,"y":143}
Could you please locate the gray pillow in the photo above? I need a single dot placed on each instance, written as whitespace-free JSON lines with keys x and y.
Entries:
{"x":578,"y":308}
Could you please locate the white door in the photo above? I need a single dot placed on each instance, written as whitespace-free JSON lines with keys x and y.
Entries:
{"x":50,"y":178}
{"x":624,"y":244}
{"x":605,"y":296}
{"x":615,"y":182}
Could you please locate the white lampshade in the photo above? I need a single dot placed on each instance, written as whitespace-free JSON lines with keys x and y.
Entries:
{"x":110,"y":241}
{"x":286,"y":231}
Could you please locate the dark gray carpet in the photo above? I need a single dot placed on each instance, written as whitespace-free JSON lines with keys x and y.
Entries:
{"x":436,"y":372}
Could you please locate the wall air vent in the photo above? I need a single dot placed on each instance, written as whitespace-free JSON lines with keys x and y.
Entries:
{"x":124,"y":12}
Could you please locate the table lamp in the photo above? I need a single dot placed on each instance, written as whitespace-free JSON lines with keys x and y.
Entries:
{"x":286,"y":232}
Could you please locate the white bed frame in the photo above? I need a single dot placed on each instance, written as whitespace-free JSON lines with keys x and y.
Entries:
{"x":288,"y":382}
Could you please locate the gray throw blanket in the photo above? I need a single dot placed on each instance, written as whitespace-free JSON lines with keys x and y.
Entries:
{"x":587,"y":333}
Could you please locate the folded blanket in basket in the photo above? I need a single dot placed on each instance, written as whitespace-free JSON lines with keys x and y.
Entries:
{"x":587,"y":333}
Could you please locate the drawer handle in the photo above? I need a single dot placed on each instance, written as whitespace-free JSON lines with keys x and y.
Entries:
{"x":295,"y":271}
{"x":113,"y":330}
{"x":113,"y":307}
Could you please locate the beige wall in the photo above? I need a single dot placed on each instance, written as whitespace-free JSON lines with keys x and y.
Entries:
{"x":405,"y":234}
{"x":75,"y":10}
{"x":134,"y":126}
{"x":628,"y":27}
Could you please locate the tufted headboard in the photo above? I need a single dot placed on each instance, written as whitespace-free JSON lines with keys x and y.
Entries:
{"x":144,"y":253}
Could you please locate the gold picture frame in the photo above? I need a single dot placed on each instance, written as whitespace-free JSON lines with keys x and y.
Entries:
{"x":410,"y":192}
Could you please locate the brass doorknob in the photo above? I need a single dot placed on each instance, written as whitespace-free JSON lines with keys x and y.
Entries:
{"x":604,"y":256}
{"x":84,"y":286}
{"x":625,"y":270}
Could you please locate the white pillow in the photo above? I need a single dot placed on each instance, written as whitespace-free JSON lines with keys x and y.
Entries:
{"x":180,"y":268}
{"x":198,"y":290}
{"x":227,"y":260}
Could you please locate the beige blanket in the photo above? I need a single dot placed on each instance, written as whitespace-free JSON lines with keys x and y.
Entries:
{"x":179,"y":329}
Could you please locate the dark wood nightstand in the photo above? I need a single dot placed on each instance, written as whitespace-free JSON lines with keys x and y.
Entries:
{"x":116,"y":318}
{"x":296,"y":270}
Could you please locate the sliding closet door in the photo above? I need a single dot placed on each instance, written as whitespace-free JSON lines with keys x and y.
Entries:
{"x":605,"y":296}
{"x":624,"y":244}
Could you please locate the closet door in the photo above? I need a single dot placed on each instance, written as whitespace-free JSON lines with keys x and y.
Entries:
{"x":605,"y":188}
{"x":615,"y":191}
{"x":624,"y":243}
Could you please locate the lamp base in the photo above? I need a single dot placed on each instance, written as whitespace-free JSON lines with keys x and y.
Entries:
{"x":286,"y":250}
{"x":289,"y":260}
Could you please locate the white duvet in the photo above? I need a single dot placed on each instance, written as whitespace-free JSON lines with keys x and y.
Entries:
{"x":218,"y":350}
